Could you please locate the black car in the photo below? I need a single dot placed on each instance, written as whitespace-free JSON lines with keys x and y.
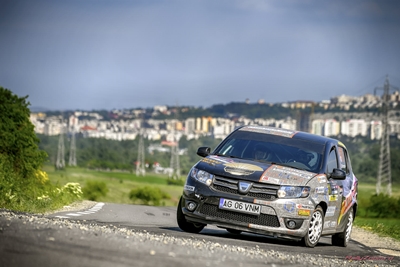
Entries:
{"x":272,"y":181}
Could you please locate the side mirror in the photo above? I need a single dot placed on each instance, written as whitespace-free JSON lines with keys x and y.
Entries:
{"x":338,"y":174}
{"x":203,"y":151}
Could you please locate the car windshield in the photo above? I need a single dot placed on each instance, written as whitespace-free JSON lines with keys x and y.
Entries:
{"x":296,"y":153}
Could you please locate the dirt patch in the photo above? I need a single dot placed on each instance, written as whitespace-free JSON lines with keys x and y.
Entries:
{"x":385,"y":245}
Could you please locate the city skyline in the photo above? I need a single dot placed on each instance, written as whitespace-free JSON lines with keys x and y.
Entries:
{"x":93,"y":55}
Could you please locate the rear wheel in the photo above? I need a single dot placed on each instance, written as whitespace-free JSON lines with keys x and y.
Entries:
{"x":184,"y":224}
{"x":315,"y":228}
{"x":343,"y":238}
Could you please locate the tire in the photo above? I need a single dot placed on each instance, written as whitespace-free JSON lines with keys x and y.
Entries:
{"x":184,"y":224}
{"x":343,"y":238}
{"x":315,"y":228}
{"x":233,"y":231}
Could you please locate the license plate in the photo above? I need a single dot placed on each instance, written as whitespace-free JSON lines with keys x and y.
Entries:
{"x":238,"y":206}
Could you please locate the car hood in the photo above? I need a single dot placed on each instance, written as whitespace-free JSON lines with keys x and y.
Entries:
{"x":254,"y":171}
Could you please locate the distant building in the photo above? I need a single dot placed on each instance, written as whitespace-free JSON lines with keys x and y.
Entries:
{"x":354,"y":128}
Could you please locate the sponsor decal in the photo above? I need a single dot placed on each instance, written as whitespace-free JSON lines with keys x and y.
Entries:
{"x":341,"y":144}
{"x":270,"y":130}
{"x":210,"y":161}
{"x":320,"y":190}
{"x":303,"y":212}
{"x":216,"y":160}
{"x":333,"y":198}
{"x":188,"y":188}
{"x":275,"y":174}
{"x":346,"y":204}
{"x":302,"y":206}
{"x":289,"y":206}
{"x":329,"y":224}
{"x":237,"y":168}
{"x":266,"y":179}
{"x":330,"y":211}
{"x":321,"y":179}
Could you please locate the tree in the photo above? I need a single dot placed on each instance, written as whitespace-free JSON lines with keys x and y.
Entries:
{"x":18,"y":143}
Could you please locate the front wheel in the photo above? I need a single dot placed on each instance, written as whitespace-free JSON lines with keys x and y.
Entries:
{"x":315,"y":228}
{"x":184,"y":224}
{"x":343,"y":238}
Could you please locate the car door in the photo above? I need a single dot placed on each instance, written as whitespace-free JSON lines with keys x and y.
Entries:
{"x":334,"y":191}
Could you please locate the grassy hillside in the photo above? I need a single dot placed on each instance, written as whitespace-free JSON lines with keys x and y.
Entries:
{"x":119,"y":184}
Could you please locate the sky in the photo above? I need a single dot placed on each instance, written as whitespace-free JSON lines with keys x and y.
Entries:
{"x":123,"y":54}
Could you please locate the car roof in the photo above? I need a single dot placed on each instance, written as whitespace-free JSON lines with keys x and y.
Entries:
{"x":323,"y":140}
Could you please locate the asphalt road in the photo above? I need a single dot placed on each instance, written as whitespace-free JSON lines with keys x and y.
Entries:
{"x":134,"y":235}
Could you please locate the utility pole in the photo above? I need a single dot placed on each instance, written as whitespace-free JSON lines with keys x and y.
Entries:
{"x":384,"y":172}
{"x":60,"y":163}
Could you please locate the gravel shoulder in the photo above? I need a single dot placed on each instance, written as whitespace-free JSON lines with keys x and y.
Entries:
{"x":169,"y":250}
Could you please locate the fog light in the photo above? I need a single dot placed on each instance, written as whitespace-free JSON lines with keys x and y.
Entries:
{"x":291,"y":224}
{"x":191,"y":206}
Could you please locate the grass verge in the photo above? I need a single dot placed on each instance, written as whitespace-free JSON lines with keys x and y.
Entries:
{"x":383,"y":227}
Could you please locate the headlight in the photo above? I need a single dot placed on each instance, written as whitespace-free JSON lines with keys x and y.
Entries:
{"x":202,"y":176}
{"x":293,"y":191}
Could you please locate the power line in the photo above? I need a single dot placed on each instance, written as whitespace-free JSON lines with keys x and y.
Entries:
{"x":367,"y":87}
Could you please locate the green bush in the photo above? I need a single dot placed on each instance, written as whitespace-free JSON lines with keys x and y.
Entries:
{"x":383,"y":206}
{"x":94,"y":189}
{"x":148,"y":195}
{"x":171,"y":181}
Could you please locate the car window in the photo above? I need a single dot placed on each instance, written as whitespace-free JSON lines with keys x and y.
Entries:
{"x":332,"y":161}
{"x":296,"y":153}
{"x":343,"y":159}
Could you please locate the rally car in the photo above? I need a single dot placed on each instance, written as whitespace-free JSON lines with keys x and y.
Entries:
{"x":272,"y":181}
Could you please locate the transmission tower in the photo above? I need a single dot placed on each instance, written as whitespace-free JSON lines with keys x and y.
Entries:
{"x":174,"y":162}
{"x":384,"y":172}
{"x":72,"y":151}
{"x":60,"y":163}
{"x":140,"y":164}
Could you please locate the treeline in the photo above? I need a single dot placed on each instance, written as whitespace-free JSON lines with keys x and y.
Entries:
{"x":230,"y":110}
{"x":96,"y":153}
{"x":100,"y":153}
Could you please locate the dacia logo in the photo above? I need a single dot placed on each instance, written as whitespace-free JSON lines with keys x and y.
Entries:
{"x":244,"y":187}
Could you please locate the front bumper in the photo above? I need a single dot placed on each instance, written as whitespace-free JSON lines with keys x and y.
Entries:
{"x":276,"y":218}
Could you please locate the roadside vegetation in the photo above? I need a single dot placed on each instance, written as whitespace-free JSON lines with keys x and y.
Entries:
{"x":24,"y":186}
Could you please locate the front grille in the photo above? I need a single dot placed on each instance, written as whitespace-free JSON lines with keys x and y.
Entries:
{"x":258,"y":190}
{"x":262,"y":219}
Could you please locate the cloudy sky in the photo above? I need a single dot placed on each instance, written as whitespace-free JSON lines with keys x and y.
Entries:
{"x":105,"y":54}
